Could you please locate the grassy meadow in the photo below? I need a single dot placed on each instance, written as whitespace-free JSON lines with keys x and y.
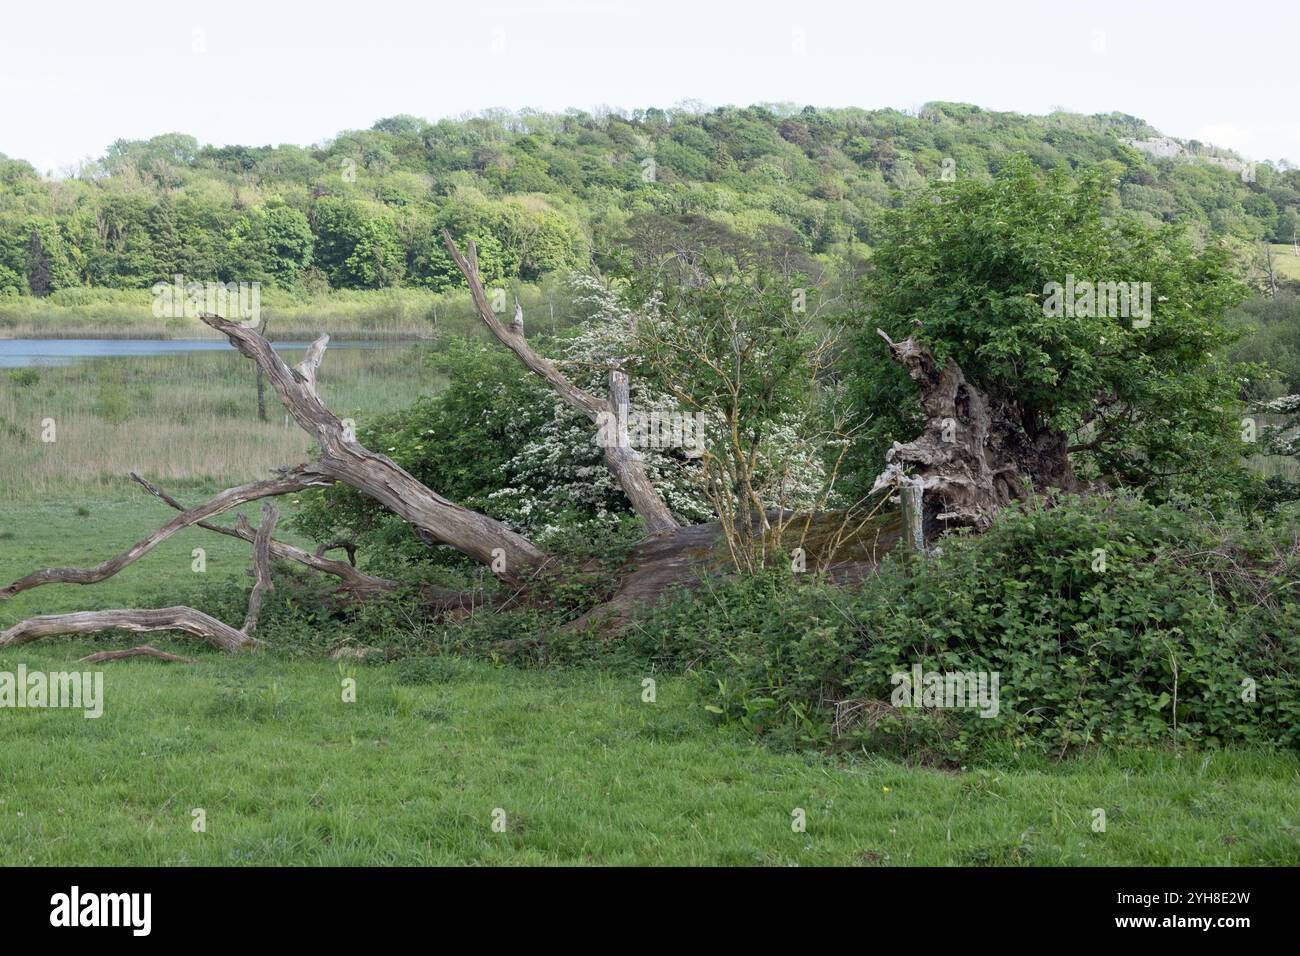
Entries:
{"x":189,"y":418}
{"x":585,"y":772}
{"x":576,"y":767}
{"x":577,"y":770}
{"x":393,"y":313}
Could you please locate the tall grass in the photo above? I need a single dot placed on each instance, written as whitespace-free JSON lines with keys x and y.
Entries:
{"x":189,"y":418}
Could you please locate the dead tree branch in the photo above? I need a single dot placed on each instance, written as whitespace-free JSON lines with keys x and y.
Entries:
{"x":186,"y":619}
{"x":623,"y":461}
{"x":344,"y":459}
{"x":179,"y":618}
{"x":353,"y":580}
{"x":295,"y":479}
{"x":340,"y":544}
{"x":261,"y":564}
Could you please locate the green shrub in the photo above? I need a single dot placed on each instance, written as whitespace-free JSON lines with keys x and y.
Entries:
{"x":1158,"y":647}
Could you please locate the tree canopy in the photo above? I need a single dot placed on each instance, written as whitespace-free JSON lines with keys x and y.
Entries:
{"x":540,"y":192}
{"x":976,"y":272}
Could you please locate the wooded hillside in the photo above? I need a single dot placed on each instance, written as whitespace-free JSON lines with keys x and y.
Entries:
{"x":544,"y":192}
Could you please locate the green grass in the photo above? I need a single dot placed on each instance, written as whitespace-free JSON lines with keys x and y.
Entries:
{"x":412,"y":772}
{"x":585,"y":772}
{"x":1286,"y":262}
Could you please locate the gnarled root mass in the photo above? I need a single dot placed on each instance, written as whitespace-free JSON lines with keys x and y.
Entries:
{"x":976,"y":454}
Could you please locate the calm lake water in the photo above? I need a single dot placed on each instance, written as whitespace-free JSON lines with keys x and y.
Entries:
{"x":18,"y":353}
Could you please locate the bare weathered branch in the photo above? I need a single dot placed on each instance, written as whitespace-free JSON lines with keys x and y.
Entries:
{"x":343,"y":458}
{"x":178,"y":618}
{"x":624,"y":463}
{"x":308,"y":367}
{"x":353,"y":580}
{"x":340,"y":544}
{"x":294,"y":480}
{"x":261,"y":564}
{"x":573,"y":396}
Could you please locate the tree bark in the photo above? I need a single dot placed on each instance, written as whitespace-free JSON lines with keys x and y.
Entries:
{"x":295,"y":479}
{"x":261,"y":376}
{"x":261,"y":564}
{"x":352,"y":580}
{"x":179,"y":618}
{"x":626,"y":463}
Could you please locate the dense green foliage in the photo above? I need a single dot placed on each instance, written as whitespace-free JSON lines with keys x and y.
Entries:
{"x":967,"y":270}
{"x":1270,"y":335}
{"x":543,"y":192}
{"x":1154,"y":648}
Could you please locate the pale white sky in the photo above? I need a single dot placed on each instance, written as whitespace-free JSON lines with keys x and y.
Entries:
{"x":74,"y":76}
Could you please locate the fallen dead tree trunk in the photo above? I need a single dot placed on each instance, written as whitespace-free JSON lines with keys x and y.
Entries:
{"x":511,"y":556}
{"x":179,"y":618}
{"x":661,"y":565}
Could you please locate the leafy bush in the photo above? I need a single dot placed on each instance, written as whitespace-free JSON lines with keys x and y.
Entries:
{"x":967,"y":267}
{"x":499,"y":441}
{"x":1162,"y":646}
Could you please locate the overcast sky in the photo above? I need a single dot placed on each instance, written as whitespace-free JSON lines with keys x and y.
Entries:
{"x":76,"y":76}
